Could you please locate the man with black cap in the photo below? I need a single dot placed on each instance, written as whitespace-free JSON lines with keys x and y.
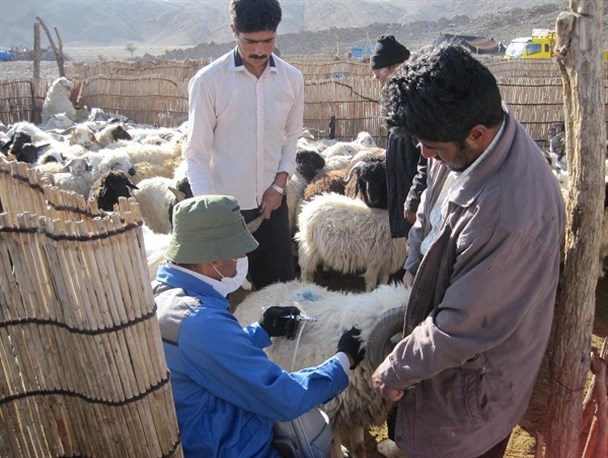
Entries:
{"x":227,"y":392}
{"x":403,"y":160}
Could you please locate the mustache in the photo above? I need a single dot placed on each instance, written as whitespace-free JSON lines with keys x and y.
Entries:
{"x":256,"y":56}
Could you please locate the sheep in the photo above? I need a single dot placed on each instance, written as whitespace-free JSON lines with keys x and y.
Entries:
{"x":365,"y":179}
{"x":308,"y":164}
{"x":378,"y":314}
{"x":366,"y":140}
{"x":57,"y":100}
{"x":109,"y":187}
{"x":95,"y":165}
{"x":332,"y":181}
{"x":156,"y":198}
{"x":112,"y":133}
{"x":346,"y":235}
{"x":369,"y":184}
{"x":153,"y":160}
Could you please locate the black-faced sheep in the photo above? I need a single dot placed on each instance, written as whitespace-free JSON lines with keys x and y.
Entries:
{"x":346,"y":235}
{"x":109,"y":187}
{"x":379,"y":314}
{"x":369,"y":183}
{"x":308,"y":164}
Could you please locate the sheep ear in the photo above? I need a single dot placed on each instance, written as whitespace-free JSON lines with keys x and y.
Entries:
{"x":131,"y":185}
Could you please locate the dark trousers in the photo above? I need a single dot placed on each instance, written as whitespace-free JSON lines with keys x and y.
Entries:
{"x":272,"y":261}
{"x":498,"y":450}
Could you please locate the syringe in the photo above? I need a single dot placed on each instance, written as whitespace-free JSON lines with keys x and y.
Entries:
{"x":301,"y":318}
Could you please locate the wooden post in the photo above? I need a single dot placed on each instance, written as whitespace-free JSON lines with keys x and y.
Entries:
{"x":579,"y":40}
{"x":36,"y":106}
{"x":57,"y":51}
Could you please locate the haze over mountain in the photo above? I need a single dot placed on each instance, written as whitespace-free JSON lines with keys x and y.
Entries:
{"x":190,"y":22}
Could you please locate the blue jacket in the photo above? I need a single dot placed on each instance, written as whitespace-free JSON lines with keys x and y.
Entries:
{"x":227,"y":392}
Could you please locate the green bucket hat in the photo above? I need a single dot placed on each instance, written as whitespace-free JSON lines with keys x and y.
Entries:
{"x":208,"y":228}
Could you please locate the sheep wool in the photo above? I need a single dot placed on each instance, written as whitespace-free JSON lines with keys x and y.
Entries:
{"x":57,"y":100}
{"x":346,"y":235}
{"x":359,"y":406}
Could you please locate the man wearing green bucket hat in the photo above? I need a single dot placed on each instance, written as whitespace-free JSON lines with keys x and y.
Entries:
{"x":227,"y":393}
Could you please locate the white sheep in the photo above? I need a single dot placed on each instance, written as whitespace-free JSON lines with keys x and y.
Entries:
{"x":378,"y":314}
{"x":156,"y":198}
{"x":366,"y":140}
{"x":57,"y":100}
{"x":346,"y":235}
{"x":96,"y":164}
{"x":152,"y":160}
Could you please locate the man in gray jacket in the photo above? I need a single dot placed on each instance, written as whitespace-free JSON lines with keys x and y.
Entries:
{"x":484,"y":257}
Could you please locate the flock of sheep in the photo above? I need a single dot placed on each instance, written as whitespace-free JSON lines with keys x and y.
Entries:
{"x":337,"y":213}
{"x":338,"y":217}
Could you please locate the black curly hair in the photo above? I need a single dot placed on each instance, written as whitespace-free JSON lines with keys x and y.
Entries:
{"x":250,"y":16}
{"x":441,"y":94}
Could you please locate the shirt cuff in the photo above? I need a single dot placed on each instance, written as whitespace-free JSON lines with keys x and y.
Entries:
{"x":344,"y":361}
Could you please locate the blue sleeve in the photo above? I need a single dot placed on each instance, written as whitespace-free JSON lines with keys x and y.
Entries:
{"x":223,"y":358}
{"x":258,"y":336}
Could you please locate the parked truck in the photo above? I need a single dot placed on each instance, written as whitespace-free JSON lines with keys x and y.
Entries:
{"x":538,"y":46}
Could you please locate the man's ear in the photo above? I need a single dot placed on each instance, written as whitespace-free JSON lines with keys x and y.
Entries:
{"x":479,"y":136}
{"x":235,"y":32}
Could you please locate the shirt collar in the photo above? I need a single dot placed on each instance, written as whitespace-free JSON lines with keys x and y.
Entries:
{"x":239,"y":65}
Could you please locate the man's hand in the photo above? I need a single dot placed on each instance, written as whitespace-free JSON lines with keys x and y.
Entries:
{"x":271,"y":200}
{"x":276,"y":322}
{"x":410,"y":216}
{"x":391,"y":394}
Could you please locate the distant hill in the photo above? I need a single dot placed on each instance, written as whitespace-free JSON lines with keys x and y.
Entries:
{"x":191,"y":22}
{"x":338,"y":41}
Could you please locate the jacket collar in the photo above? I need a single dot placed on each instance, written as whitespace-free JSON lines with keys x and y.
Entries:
{"x":467,"y":193}
{"x":191,"y":284}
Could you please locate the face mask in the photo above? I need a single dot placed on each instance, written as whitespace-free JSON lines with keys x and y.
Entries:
{"x":230,"y":284}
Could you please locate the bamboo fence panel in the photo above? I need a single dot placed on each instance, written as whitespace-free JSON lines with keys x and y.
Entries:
{"x":342,"y":89}
{"x":331,"y":70}
{"x":178,"y":71}
{"x":352,"y":102}
{"x":152,"y":100}
{"x":17,"y":101}
{"x":82,"y":370}
{"x":537,"y":102}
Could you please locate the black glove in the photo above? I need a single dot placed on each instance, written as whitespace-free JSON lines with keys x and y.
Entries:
{"x":350,"y":343}
{"x":275,"y":321}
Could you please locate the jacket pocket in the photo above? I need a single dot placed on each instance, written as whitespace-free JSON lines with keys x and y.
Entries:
{"x":474,"y":390}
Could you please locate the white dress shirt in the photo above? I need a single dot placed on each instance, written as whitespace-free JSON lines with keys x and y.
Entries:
{"x":242,"y":130}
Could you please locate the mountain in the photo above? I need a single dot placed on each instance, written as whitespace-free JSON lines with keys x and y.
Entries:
{"x":190,"y":22}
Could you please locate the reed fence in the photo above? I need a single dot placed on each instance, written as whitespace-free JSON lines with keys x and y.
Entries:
{"x":82,"y":370}
{"x":341,"y":97}
{"x":20,"y":100}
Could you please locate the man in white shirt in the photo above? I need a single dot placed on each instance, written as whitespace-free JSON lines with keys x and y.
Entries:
{"x":245,"y":116}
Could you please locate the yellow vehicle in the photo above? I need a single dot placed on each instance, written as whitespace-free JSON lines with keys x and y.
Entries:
{"x":538,"y":46}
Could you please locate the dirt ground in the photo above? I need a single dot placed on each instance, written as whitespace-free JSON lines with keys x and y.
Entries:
{"x":522,"y":442}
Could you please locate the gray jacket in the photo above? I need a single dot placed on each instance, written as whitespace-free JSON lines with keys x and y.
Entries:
{"x":480,"y":310}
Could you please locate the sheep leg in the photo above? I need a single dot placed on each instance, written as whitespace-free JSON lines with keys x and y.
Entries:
{"x":336,"y":447}
{"x":307,"y":259}
{"x":357,"y":445}
{"x":371,"y":279}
